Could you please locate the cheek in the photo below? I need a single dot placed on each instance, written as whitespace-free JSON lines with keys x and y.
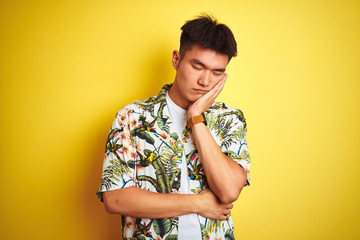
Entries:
{"x":190,"y":76}
{"x":215,"y":80}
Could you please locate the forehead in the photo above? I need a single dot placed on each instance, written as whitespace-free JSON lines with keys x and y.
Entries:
{"x":207,"y":56}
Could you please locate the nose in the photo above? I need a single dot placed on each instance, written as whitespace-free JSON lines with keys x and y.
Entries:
{"x":204,"y":79}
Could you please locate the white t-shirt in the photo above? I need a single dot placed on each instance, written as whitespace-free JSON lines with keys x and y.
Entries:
{"x":189,"y":225}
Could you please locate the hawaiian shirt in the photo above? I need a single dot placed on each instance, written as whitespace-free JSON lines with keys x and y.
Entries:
{"x":144,"y":150}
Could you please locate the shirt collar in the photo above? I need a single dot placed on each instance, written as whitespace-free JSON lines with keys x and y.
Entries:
{"x":161,"y":97}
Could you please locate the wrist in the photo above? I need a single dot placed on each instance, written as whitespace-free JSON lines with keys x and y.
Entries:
{"x":193,"y":113}
{"x":191,"y":121}
{"x":197,"y":203}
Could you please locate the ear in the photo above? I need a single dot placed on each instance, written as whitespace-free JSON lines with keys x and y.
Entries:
{"x":175,"y":59}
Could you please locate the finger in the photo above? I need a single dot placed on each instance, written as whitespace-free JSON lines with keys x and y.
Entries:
{"x":229,"y":206}
{"x":215,"y":91}
{"x":222,"y":82}
{"x":227,"y":212}
{"x":225,"y":77}
{"x":223,"y":217}
{"x":219,"y":88}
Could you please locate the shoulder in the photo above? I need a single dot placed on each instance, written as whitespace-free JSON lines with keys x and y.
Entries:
{"x":137,"y":106}
{"x":222,"y":110}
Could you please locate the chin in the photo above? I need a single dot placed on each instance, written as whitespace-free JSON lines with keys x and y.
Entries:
{"x":194,"y":99}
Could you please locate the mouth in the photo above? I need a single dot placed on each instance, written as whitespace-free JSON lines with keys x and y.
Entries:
{"x":200,"y":91}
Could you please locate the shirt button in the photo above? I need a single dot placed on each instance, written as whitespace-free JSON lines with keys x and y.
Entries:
{"x":176,"y":179}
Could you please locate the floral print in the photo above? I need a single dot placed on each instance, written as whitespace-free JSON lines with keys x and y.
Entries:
{"x":144,"y":150}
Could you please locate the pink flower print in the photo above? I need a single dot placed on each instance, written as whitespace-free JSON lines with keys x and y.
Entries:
{"x":125,"y":150}
{"x":164,"y":136}
{"x":121,"y":119}
{"x":133,"y":155}
{"x":133,"y":123}
{"x":138,"y":147}
{"x":129,"y":112}
{"x":125,"y":136}
{"x":130,"y":225}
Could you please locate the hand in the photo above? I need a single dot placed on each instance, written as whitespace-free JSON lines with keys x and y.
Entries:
{"x":211,"y":207}
{"x":205,"y":101}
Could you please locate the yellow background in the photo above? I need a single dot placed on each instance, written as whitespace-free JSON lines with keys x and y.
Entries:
{"x":68,"y":66}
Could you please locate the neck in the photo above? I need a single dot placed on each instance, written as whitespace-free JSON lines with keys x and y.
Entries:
{"x":176,"y":98}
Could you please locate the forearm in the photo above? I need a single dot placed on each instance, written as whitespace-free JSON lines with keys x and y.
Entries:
{"x":136,"y":202}
{"x":226,"y":178}
{"x":139,"y":203}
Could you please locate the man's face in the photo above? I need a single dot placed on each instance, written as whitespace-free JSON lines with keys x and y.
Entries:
{"x":199,"y":70}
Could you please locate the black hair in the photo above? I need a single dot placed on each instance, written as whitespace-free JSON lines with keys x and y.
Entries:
{"x":208,"y":33}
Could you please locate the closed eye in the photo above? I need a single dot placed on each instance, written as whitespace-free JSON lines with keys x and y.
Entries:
{"x":197,"y":68}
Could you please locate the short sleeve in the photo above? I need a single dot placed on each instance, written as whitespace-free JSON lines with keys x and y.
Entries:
{"x":118,"y":167}
{"x":234,"y":144}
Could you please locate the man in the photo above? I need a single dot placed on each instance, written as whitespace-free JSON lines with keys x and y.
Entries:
{"x":176,"y":162}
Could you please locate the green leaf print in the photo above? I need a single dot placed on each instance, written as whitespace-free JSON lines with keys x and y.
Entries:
{"x":114,"y":172}
{"x":143,"y":131}
{"x":111,"y":145}
{"x":213,"y":225}
{"x":147,"y":159}
{"x":204,"y":232}
{"x":144,"y":135}
{"x":150,"y":180}
{"x":142,"y":229}
{"x":161,"y":120}
{"x":171,"y":237}
{"x":162,"y":226}
{"x":161,"y":177}
{"x":229,"y":235}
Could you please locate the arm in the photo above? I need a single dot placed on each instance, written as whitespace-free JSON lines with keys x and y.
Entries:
{"x":121,"y":195}
{"x":136,"y":202}
{"x":226,"y":178}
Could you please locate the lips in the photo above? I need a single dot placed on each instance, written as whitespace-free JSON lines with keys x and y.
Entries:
{"x":200,"y":91}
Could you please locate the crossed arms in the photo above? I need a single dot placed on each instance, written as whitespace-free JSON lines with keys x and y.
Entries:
{"x":225,"y":177}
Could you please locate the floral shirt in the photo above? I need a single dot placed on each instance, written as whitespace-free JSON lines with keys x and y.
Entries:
{"x":144,"y":150}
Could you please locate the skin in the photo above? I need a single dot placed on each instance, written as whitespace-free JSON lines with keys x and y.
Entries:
{"x":200,"y":77}
{"x":197,"y":72}
{"x":140,"y":203}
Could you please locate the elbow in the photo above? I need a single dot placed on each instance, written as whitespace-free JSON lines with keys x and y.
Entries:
{"x":230,"y":196}
{"x":111,"y":203}
{"x":109,"y":209}
{"x":232,"y":185}
{"x":232,"y":193}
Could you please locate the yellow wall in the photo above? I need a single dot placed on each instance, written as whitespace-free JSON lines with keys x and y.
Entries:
{"x":68,"y":66}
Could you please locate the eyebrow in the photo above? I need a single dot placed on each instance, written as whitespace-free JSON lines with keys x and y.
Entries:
{"x":196,"y":61}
